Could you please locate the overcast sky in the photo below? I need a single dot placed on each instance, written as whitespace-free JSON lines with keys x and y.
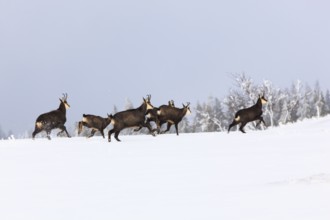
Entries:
{"x":102,"y":52}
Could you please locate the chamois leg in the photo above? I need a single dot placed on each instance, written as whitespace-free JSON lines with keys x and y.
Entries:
{"x":102,"y":132}
{"x":241,"y":128}
{"x":36,"y":131}
{"x":156,"y":129}
{"x":92,"y":133}
{"x":148,"y":125}
{"x":158,"y":126}
{"x":116,"y":135}
{"x":258,"y":123}
{"x":232,"y":125}
{"x":110,"y":133}
{"x":80,"y":127}
{"x":261,"y":119}
{"x":145,"y":125}
{"x":176,"y":128}
{"x":63,"y":129}
{"x":48,"y":134}
{"x":138,"y":129}
{"x":168,"y":127}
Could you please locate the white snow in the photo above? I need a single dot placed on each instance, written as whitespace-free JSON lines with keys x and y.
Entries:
{"x":281,"y":173}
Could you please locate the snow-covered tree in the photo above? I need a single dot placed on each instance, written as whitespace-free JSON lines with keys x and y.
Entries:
{"x":197,"y":121}
{"x":305,"y":109}
{"x":272,"y":107}
{"x":318,"y":101}
{"x":294,"y":101}
{"x":284,"y":115}
{"x":327,"y":102}
{"x":219,"y":120}
{"x":202,"y":118}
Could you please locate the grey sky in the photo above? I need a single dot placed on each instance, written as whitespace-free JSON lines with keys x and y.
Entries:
{"x":101,"y":52}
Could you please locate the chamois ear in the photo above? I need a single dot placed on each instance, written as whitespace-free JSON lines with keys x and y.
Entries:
{"x":186,"y":106}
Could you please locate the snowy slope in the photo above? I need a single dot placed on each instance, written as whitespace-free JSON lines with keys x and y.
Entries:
{"x":281,"y":173}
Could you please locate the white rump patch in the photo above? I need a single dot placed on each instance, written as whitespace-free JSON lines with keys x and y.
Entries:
{"x":39,"y":124}
{"x":237,"y":118}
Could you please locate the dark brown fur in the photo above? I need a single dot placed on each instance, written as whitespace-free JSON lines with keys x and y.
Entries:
{"x":172,"y":115}
{"x":96,"y":123}
{"x":130,"y":118}
{"x":252,"y":113}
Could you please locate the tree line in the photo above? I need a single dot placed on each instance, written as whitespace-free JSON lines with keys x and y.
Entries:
{"x":299,"y":101}
{"x":288,"y":105}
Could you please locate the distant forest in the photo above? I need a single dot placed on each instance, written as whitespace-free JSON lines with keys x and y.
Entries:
{"x":288,"y":105}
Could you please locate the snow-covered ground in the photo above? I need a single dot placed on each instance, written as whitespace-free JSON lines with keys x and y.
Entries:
{"x":281,"y":173}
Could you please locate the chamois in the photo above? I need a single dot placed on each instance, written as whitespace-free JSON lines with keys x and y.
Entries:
{"x":96,"y":123}
{"x":252,"y":113}
{"x":172,"y":115}
{"x":152,"y":116}
{"x":131,"y":118}
{"x":53,"y":119}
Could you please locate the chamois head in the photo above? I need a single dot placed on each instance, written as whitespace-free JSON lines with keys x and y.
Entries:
{"x":187,"y":108}
{"x":171,"y":103}
{"x":147,"y":102}
{"x":64,"y":101}
{"x":112,"y":120}
{"x":110,"y":117}
{"x":263,"y":99}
